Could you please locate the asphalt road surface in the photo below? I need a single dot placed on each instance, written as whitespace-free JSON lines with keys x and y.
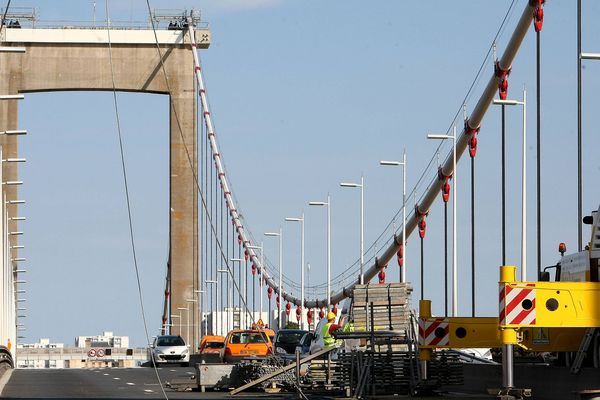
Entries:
{"x":108,"y":383}
{"x":547,"y":383}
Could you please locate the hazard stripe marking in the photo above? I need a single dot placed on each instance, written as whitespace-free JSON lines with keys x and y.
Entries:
{"x":511,"y":301}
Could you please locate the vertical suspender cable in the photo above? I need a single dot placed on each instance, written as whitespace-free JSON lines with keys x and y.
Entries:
{"x":472,"y":236}
{"x":221,"y":308}
{"x":207,"y":287}
{"x":200,"y":233}
{"x":246,"y":285}
{"x":445,"y":258}
{"x":200,"y":293}
{"x":204,"y":249}
{"x":503,"y":186}
{"x":579,"y":132}
{"x":212,"y":244}
{"x":232,"y":275}
{"x":195,"y":249}
{"x":228,"y":277}
{"x":217,"y":258}
{"x":239,"y":264}
{"x":254,"y":296}
{"x":539,"y":163}
{"x":422,"y":271}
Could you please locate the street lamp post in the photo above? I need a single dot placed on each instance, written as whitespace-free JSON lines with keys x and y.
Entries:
{"x":280,"y":236}
{"x":360,"y":185}
{"x":239,"y":286}
{"x":301,"y":220}
{"x":187,"y":335}
{"x":454,"y":243}
{"x":212,"y":317}
{"x":523,"y":180}
{"x":403,"y":164}
{"x":222,"y":311}
{"x":197,"y":295}
{"x":178,"y":316}
{"x":259,"y":283}
{"x":188,"y":315}
{"x":328,"y":204}
{"x":308,"y":284}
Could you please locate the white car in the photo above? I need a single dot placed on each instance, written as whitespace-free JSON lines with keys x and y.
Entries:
{"x":170,"y":349}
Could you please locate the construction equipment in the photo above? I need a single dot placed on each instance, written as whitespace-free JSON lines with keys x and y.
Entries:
{"x":585,"y":345}
{"x":282,"y":370}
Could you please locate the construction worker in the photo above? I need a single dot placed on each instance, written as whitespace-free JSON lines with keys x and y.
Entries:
{"x":328,"y":329}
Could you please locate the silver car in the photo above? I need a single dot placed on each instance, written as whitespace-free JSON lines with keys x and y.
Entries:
{"x":170,"y":349}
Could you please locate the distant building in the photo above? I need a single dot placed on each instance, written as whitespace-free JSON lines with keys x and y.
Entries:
{"x":220,"y":322}
{"x":102,"y":351}
{"x":107,"y":339}
{"x":42,"y":344}
{"x":36,"y":362}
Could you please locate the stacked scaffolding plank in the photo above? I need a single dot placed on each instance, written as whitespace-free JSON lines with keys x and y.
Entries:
{"x":390,"y":372}
{"x":381,"y":307}
{"x":445,"y":369}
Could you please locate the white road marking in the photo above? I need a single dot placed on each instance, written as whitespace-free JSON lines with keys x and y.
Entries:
{"x":189,"y":373}
{"x":131,"y":383}
{"x":148,"y":391}
{"x":117,"y":379}
{"x":105,"y":374}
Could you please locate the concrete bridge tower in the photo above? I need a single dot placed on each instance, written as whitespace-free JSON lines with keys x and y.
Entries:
{"x":78,"y":59}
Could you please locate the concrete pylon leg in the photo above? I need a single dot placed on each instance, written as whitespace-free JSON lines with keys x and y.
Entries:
{"x":183,"y":220}
{"x":8,"y":121}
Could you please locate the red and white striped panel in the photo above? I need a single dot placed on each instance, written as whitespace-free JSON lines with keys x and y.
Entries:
{"x":434,"y":331}
{"x":517,"y":305}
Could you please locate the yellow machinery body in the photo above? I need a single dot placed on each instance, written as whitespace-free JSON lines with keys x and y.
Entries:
{"x":538,"y":316}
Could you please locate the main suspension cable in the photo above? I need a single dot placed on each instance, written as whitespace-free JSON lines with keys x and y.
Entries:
{"x":187,"y":152}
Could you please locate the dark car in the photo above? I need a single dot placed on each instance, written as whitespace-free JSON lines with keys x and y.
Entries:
{"x":286,"y":340}
{"x":304,"y":345}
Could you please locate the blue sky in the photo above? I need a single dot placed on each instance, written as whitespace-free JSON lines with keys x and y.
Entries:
{"x":304,"y":95}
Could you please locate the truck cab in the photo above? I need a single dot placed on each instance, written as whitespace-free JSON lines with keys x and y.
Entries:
{"x":583,"y":265}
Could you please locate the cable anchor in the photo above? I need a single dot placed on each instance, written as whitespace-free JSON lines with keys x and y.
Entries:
{"x":422,"y":225}
{"x":538,"y":14}
{"x":473,"y":140}
{"x":381,"y":274}
{"x":445,"y":186}
{"x":502,"y":75}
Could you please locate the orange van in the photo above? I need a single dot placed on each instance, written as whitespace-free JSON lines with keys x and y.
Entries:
{"x":246,"y":343}
{"x":212,"y":344}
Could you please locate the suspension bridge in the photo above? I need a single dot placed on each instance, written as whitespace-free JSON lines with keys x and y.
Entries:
{"x":218,"y":277}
